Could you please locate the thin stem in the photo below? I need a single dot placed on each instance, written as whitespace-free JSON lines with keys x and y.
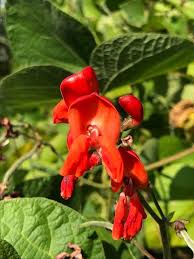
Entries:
{"x":165,"y":240}
{"x":149,"y":209}
{"x":18,"y":163}
{"x":151,"y":192}
{"x":169,"y":159}
{"x":95,"y":223}
{"x":142,"y":249}
{"x":93,"y":184}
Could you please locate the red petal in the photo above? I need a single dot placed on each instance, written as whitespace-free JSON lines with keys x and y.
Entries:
{"x":77,"y":162}
{"x":135,"y":217}
{"x":67,"y":186}
{"x":97,"y":111}
{"x":79,"y":84}
{"x":60,"y":113}
{"x":134,"y":168}
{"x":94,"y":160}
{"x":121,"y":211}
{"x":133,"y":107}
{"x":115,"y":186}
{"x":112,"y":160}
{"x":69,"y":139}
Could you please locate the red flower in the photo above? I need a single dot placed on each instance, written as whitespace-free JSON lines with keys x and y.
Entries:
{"x":133,"y":107}
{"x":72,"y":87}
{"x":133,"y":170}
{"x":94,"y":124}
{"x":129,"y":215}
{"x":67,"y":186}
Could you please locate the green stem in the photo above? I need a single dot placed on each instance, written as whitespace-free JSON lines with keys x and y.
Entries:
{"x":149,"y":209}
{"x":152,"y":194}
{"x":95,"y":223}
{"x":93,"y":184}
{"x":165,"y":240}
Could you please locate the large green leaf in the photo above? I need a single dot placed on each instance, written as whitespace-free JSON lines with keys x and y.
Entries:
{"x":41,"y":34}
{"x":31,"y":86}
{"x":39,"y":228}
{"x":7,"y":251}
{"x":137,"y":56}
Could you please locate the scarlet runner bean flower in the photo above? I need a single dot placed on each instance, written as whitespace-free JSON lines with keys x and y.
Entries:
{"x":94,"y":124}
{"x":94,"y":131}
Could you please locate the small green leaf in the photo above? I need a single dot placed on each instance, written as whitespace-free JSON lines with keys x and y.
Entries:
{"x":39,"y":228}
{"x":7,"y":251}
{"x":40,"y":34}
{"x":170,"y":215}
{"x":138,"y":56}
{"x":31,"y":86}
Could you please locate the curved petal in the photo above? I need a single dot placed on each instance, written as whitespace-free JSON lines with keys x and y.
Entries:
{"x":77,"y":162}
{"x":112,"y":160}
{"x":133,"y":106}
{"x":134,"y":168}
{"x":121,"y":211}
{"x":135,"y":218}
{"x":79,"y":84}
{"x":60,"y":113}
{"x":97,"y":111}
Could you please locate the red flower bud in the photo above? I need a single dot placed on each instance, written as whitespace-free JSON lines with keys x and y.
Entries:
{"x":67,"y":186}
{"x":133,"y":107}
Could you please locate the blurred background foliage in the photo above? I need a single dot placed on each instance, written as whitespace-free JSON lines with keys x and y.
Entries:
{"x":45,"y":41}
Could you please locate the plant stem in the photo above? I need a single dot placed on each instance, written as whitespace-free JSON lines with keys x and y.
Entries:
{"x":149,"y":209}
{"x":93,"y":184}
{"x":95,"y":223}
{"x":152,"y":194}
{"x":169,"y":159}
{"x":18,"y":163}
{"x":165,"y":240}
{"x":142,"y":249}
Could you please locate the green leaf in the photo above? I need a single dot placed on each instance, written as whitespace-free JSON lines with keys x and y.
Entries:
{"x":40,"y":34}
{"x":31,"y":86}
{"x":7,"y":251}
{"x":39,"y":228}
{"x":138,"y":56}
{"x":133,"y":12}
{"x":150,"y":150}
{"x":188,"y":92}
{"x":169,"y":145}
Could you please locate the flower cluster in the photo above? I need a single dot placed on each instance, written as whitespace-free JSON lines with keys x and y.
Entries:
{"x":95,"y":127}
